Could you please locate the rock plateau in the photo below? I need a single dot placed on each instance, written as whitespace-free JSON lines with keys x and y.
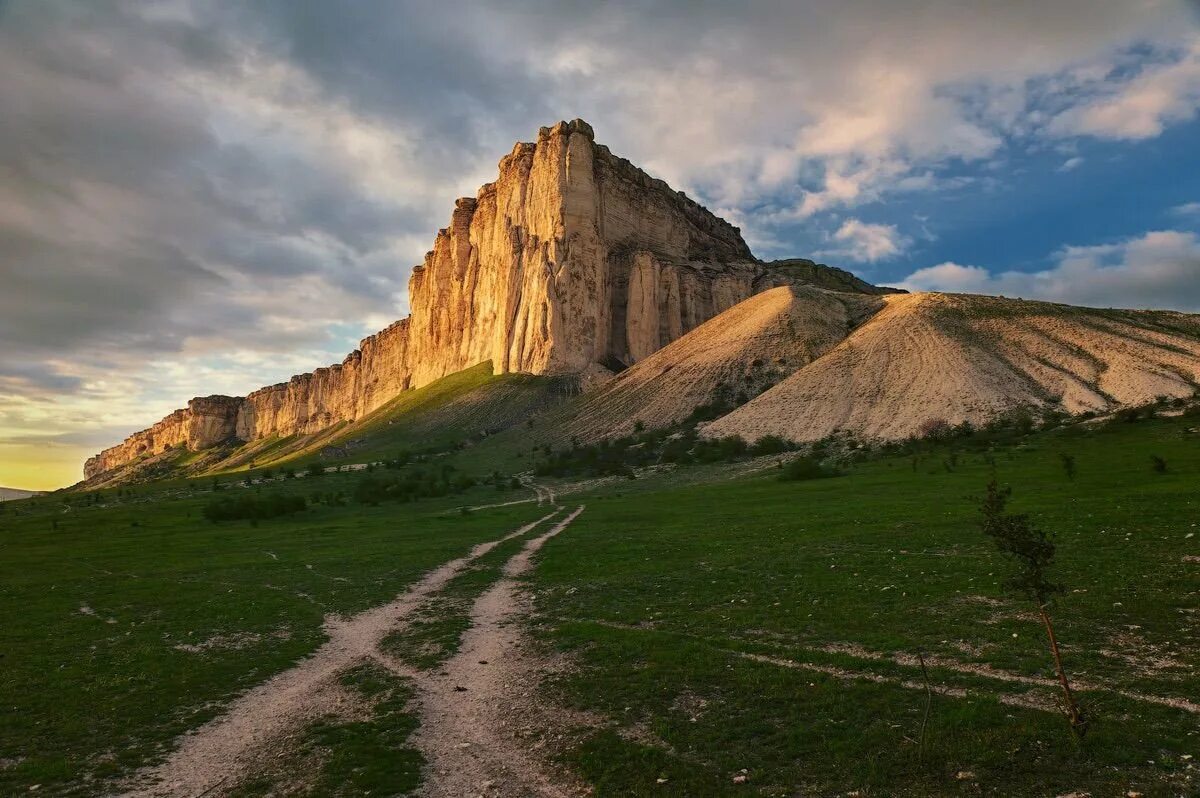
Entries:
{"x":573,"y":261}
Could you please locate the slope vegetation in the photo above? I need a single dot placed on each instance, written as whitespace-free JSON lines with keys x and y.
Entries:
{"x":730,"y":358}
{"x":930,"y":358}
{"x":470,"y":404}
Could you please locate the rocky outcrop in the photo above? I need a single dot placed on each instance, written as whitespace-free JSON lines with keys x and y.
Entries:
{"x":573,"y":261}
{"x":205,"y":422}
{"x":572,"y":257}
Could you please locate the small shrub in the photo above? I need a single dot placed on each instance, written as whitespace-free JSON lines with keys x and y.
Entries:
{"x":315,"y":469}
{"x":1021,"y":421}
{"x":1128,"y":414}
{"x":1158,"y":464}
{"x":1068,"y":464}
{"x":769,"y":444}
{"x":370,"y":491}
{"x":1032,"y":550}
{"x":252,"y":508}
{"x":935,"y":428}
{"x":806,"y":468}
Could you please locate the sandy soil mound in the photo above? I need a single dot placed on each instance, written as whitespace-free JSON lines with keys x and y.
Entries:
{"x":730,"y":358}
{"x":954,"y":357}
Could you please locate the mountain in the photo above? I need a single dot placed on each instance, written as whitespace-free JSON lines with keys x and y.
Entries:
{"x":577,"y":269}
{"x":927,"y":359}
{"x":9,"y":494}
{"x":738,"y":354}
{"x":573,"y":261}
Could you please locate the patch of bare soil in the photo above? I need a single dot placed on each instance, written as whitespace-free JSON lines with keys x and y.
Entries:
{"x":1144,"y":657}
{"x":223,"y":751}
{"x":1027,"y":700}
{"x":973,"y":669}
{"x":484,"y":731}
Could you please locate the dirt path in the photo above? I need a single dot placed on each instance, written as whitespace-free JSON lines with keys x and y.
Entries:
{"x":481,"y":729}
{"x":544,"y":494}
{"x":224,"y":750}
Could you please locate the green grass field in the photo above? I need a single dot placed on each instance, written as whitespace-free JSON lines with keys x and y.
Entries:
{"x":731,"y":635}
{"x":842,"y":575}
{"x":130,"y":623}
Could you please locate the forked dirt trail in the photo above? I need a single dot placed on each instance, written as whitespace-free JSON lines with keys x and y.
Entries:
{"x":222,"y":752}
{"x":481,"y":728}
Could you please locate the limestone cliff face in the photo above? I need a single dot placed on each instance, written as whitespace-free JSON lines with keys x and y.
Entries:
{"x":572,"y":262}
{"x":205,"y":422}
{"x":572,"y":257}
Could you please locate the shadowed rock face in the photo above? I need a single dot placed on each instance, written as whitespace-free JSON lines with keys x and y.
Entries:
{"x":573,"y":261}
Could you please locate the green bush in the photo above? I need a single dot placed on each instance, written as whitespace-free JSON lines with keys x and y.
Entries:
{"x":805,"y":468}
{"x":770,"y":444}
{"x":253,"y":508}
{"x":412,"y":485}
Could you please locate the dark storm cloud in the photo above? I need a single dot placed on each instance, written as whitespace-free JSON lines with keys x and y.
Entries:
{"x":240,"y":176}
{"x":129,"y":222}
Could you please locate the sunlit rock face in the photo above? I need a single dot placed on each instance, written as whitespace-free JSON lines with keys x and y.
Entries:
{"x":573,"y":261}
{"x":572,"y":257}
{"x":205,"y":422}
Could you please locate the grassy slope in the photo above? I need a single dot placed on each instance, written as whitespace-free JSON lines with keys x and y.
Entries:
{"x":656,"y":591}
{"x":460,"y":408}
{"x":92,"y":683}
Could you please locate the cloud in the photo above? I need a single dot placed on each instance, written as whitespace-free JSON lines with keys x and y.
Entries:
{"x":1140,"y":106}
{"x":200,"y":196}
{"x":1071,"y":164}
{"x":861,"y":242}
{"x":1157,"y":270}
{"x":1188,"y":210}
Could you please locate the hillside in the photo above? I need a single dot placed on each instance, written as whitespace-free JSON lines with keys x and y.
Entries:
{"x":723,"y":362}
{"x":929,"y":359}
{"x":9,"y":494}
{"x":467,"y":406}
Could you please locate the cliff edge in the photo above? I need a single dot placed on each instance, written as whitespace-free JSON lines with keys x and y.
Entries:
{"x":573,"y":261}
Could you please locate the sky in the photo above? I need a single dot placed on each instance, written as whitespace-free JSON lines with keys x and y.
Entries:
{"x":206,"y":197}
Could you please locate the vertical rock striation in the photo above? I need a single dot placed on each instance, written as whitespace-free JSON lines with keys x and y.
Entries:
{"x":573,"y":261}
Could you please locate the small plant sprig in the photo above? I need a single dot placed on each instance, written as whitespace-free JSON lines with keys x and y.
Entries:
{"x":1068,"y":464}
{"x":1033,"y":551}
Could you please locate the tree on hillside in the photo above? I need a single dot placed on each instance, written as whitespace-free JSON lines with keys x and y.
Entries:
{"x":1033,"y":551}
{"x":1068,"y":464}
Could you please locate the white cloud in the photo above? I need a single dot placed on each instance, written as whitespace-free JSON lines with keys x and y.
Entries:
{"x":1160,"y":269}
{"x":806,"y":110}
{"x":866,"y":243}
{"x":1139,"y":107}
{"x":197,"y":177}
{"x":1188,"y":210}
{"x":1070,"y":164}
